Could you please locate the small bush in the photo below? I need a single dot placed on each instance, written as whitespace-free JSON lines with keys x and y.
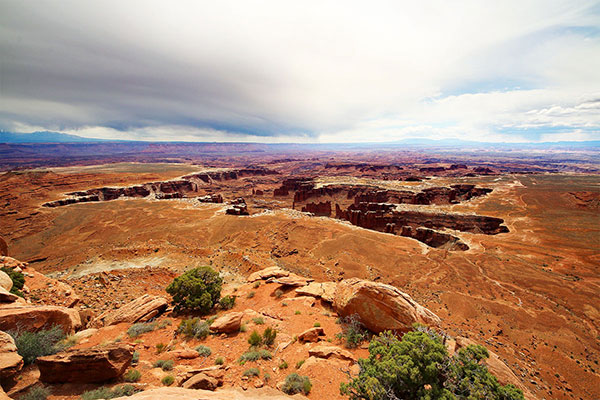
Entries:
{"x":251,"y":372}
{"x":167,"y":380}
{"x":353,"y":333}
{"x":243,"y":328}
{"x":164,"y":324}
{"x":267,"y":377}
{"x":255,"y":339}
{"x":255,"y":355}
{"x":283,"y":364}
{"x":136,"y":330}
{"x":31,"y":345}
{"x":269,"y":336}
{"x":227,"y":302}
{"x":295,"y":383}
{"x":133,"y":375}
{"x":194,"y":328}
{"x":256,"y":285}
{"x":17,"y":278}
{"x":36,"y":393}
{"x":258,"y":320}
{"x":278,"y":293}
{"x":297,"y":312}
{"x":106,"y":393}
{"x":317,"y":324}
{"x":265,"y":354}
{"x":219,"y":361}
{"x":204,"y":351}
{"x":136,"y":357}
{"x":284,"y":304}
{"x":299,"y":364}
{"x":160,"y":348}
{"x":250,"y":295}
{"x":165,"y":365}
{"x":198,"y":289}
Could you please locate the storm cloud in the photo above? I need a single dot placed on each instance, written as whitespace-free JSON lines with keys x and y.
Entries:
{"x":302,"y":71}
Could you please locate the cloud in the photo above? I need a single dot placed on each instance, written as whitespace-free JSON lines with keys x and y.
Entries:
{"x":310,"y":71}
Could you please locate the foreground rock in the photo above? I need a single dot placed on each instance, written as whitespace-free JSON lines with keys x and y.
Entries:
{"x":380,"y":307}
{"x":227,"y":323}
{"x":6,"y":296}
{"x":12,"y":263}
{"x":34,"y":318}
{"x":323,"y":290}
{"x":328,"y":351}
{"x":290,"y":280}
{"x":97,"y":364}
{"x":141,"y":309}
{"x":173,"y":393}
{"x":311,"y":335}
{"x":5,"y":281}
{"x":271,"y":272}
{"x":10,"y":361}
{"x":201,"y":381}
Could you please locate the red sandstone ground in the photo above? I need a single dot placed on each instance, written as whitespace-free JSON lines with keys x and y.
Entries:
{"x":530,"y":295}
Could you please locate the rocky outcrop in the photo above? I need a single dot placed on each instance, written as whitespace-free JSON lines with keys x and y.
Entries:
{"x":6,"y":296}
{"x":311,"y":335}
{"x":176,"y":393}
{"x":380,"y":307}
{"x":92,"y":365}
{"x":430,"y":237}
{"x":12,"y":263}
{"x":238,"y":207}
{"x":270,"y":272}
{"x":5,"y":282}
{"x":10,"y":361}
{"x":201,"y":381}
{"x":319,"y":209}
{"x":34,"y":318}
{"x":323,"y":290}
{"x":328,"y":351}
{"x":211,"y":198}
{"x":228,"y":323}
{"x":141,"y":309}
{"x":290,"y":280}
{"x":3,"y":247}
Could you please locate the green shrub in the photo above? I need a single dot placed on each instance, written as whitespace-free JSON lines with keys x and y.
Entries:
{"x":227,"y":302}
{"x":243,"y":328}
{"x":353,"y":333}
{"x":167,"y":380}
{"x":299,"y":364}
{"x":278,"y":293}
{"x":256,"y":285}
{"x":17,"y":278}
{"x":196,"y":290}
{"x":265,"y":354}
{"x":283,"y":364}
{"x":258,"y":320}
{"x":267,"y":377}
{"x":250,"y":295}
{"x":204,"y":351}
{"x":219,"y":361}
{"x":251,"y":372}
{"x":136,"y":357}
{"x":194,"y":328}
{"x":106,"y":393}
{"x":295,"y":383}
{"x":297,"y":312}
{"x":136,"y":330}
{"x":255,"y":355}
{"x":268,"y":337}
{"x":160,"y":348}
{"x":165,"y":365}
{"x":133,"y":375}
{"x":31,"y":345}
{"x":36,"y":393}
{"x":418,"y":366}
{"x":255,"y":339}
{"x":317,"y":324}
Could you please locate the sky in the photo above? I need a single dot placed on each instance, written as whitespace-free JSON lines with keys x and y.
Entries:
{"x":304,"y":71}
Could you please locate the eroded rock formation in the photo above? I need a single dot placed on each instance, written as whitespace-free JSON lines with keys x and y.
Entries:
{"x":320,"y":209}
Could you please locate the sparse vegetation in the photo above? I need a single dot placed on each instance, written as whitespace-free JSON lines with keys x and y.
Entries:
{"x":227,"y":302}
{"x":136,"y":357}
{"x":268,"y":337}
{"x":255,"y":339}
{"x":250,"y":295}
{"x":107,"y":393}
{"x":317,"y":324}
{"x":219,"y":361}
{"x":251,"y":372}
{"x":243,"y":328}
{"x":31,"y":345}
{"x":267,"y":377}
{"x":353,"y":333}
{"x":418,"y":366}
{"x":161,"y":348}
{"x":256,"y":285}
{"x":204,"y":351}
{"x":194,"y":328}
{"x":258,"y":320}
{"x":299,"y":364}
{"x":140,"y":328}
{"x":165,"y":365}
{"x":297,"y":312}
{"x":133,"y":375}
{"x":295,"y":383}
{"x":36,"y":393}
{"x":167,"y":380}
{"x":278,"y":293}
{"x":255,"y":355}
{"x":283,"y":364}
{"x":196,"y":290}
{"x":18,"y":280}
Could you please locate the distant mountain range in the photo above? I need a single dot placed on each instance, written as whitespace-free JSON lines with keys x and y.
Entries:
{"x":57,"y":137}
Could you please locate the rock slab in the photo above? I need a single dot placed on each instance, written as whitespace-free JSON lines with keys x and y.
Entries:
{"x":228,"y":323}
{"x":139,"y":310}
{"x":10,"y":361}
{"x":35,"y":318}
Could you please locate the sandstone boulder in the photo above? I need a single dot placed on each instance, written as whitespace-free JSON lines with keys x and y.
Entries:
{"x":184,"y":354}
{"x":201,"y":381}
{"x":6,"y":261}
{"x":6,"y":296}
{"x":271,"y":272}
{"x":34,"y":318}
{"x":311,"y":335}
{"x":291,"y":280}
{"x":323,"y":290}
{"x":380,"y":307}
{"x":175,"y":393}
{"x":96,"y":364}
{"x":228,"y":323}
{"x":327,"y":351}
{"x":215,"y":371}
{"x":10,"y":361}
{"x":85,"y":334}
{"x":5,"y":281}
{"x":141,"y":309}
